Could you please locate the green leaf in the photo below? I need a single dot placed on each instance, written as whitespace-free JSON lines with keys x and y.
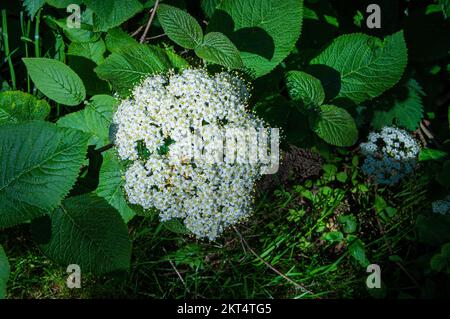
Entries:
{"x":357,"y":250}
{"x":176,"y":226}
{"x":17,"y":106}
{"x":32,"y":6}
{"x":111,"y":183}
{"x":180,"y":26}
{"x":304,"y":87}
{"x":4,"y":272}
{"x":125,"y":68}
{"x":112,"y":13}
{"x":217,"y":48}
{"x":335,"y":126}
{"x":94,"y":119}
{"x":117,"y":39}
{"x":83,"y":34}
{"x":335,"y":236}
{"x":380,"y":204}
{"x":428,"y":154}
{"x":62,"y":4}
{"x":40,"y":164}
{"x":264,"y":31}
{"x":177,"y":62}
{"x":56,"y":80}
{"x":367,"y":66}
{"x":407,"y":110}
{"x":209,"y":6}
{"x":342,"y":177}
{"x":349,"y":223}
{"x":91,"y":50}
{"x":88,"y":232}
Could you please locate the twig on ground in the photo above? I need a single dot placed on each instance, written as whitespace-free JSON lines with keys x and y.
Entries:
{"x":150,"y":20}
{"x":176,"y":270}
{"x":298,"y":286}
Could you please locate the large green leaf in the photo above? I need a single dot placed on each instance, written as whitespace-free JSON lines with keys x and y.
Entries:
{"x":304,"y":87}
{"x":39,"y":164}
{"x":117,"y":39}
{"x":217,"y":48}
{"x":4,"y":272}
{"x":126,"y":67}
{"x":180,"y":26}
{"x":16,"y":106}
{"x":84,"y":34}
{"x":56,"y":80}
{"x":367,"y":66}
{"x":111,"y":183}
{"x":264,"y":31}
{"x":91,"y":50}
{"x":112,"y":13}
{"x":62,"y":4}
{"x":94,"y":119}
{"x":32,"y":6}
{"x":209,"y":6}
{"x":335,"y":126}
{"x":87,"y":231}
{"x":406,"y":111}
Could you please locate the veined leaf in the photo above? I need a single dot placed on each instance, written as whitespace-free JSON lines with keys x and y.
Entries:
{"x":40,"y":164}
{"x":217,"y":48}
{"x":367,"y":65}
{"x":17,"y":106}
{"x":117,"y":39}
{"x":304,"y":87}
{"x":209,"y":6}
{"x":125,"y":68}
{"x":87,"y":231}
{"x":94,"y":119}
{"x":62,"y":4}
{"x":112,"y":13}
{"x":264,"y":31}
{"x":180,"y":26}
{"x":111,"y":183}
{"x":91,"y":50}
{"x":32,"y":6}
{"x":406,"y":112}
{"x":335,"y":126}
{"x":56,"y":80}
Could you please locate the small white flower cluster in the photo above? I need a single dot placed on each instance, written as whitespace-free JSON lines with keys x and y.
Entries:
{"x":441,"y":206}
{"x":390,"y":155}
{"x":152,"y":129}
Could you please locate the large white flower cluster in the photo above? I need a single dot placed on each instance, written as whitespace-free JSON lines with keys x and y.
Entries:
{"x":154,"y":130}
{"x":390,"y":155}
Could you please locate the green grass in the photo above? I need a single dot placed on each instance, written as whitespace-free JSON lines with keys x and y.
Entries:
{"x":286,"y":231}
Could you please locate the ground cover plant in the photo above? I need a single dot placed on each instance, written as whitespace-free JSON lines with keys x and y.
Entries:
{"x":100,"y":99}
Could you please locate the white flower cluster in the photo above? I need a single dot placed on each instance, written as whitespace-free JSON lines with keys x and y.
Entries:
{"x":390,"y":155}
{"x":441,"y":206}
{"x":153,"y":127}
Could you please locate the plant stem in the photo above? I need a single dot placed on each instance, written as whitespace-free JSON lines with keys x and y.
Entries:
{"x":25,"y":35}
{"x":6,"y":47}
{"x":149,"y":23}
{"x":37,"y":43}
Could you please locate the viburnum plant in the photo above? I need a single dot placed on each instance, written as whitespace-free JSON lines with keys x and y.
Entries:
{"x":111,"y":110}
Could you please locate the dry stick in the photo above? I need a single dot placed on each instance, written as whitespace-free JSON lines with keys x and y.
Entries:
{"x":135,"y":33}
{"x":269,"y":265}
{"x":149,"y":23}
{"x":176,"y":270}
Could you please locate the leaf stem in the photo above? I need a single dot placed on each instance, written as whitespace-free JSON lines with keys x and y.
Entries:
{"x":6,"y":47}
{"x":149,"y":23}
